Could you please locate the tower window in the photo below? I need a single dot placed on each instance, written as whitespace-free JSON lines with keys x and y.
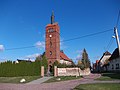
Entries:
{"x":50,"y":44}
{"x":50,"y":52}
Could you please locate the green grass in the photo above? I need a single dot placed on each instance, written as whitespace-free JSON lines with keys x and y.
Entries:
{"x":101,"y":86}
{"x":109,"y":76}
{"x":62,"y":78}
{"x":17,"y":79}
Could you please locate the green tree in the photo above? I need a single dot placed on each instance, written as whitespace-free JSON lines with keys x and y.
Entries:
{"x":44,"y":63}
{"x":85,"y":60}
{"x":38,"y":58}
{"x":80,"y":65}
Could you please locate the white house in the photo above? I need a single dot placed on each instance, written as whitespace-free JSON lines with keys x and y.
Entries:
{"x":114,"y":61}
{"x":104,"y":61}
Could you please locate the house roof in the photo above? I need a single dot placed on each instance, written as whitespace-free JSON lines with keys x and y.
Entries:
{"x":64,"y":57}
{"x":105,"y":54}
{"x":115,"y":54}
{"x":23,"y":60}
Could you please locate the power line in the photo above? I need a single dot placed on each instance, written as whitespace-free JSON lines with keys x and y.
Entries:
{"x":84,"y":36}
{"x":118,"y":18}
{"x":109,"y":44}
{"x":20,"y":48}
{"x":88,"y":35}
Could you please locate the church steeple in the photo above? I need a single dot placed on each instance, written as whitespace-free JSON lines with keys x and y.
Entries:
{"x":52,"y":18}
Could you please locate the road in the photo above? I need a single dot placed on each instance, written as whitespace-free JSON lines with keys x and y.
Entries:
{"x":64,"y":85}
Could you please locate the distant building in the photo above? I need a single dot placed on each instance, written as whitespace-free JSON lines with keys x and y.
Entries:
{"x":18,"y":61}
{"x":95,"y":66}
{"x":114,"y":61}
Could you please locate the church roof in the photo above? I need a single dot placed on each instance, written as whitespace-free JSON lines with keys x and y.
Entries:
{"x":64,"y":57}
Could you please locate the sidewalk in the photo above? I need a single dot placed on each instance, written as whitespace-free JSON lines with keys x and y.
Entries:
{"x":39,"y":81}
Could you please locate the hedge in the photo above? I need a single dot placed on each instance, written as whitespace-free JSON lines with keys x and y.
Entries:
{"x":10,"y":69}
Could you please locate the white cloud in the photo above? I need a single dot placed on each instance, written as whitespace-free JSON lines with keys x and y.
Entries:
{"x":32,"y":56}
{"x":2,"y":48}
{"x":62,"y":45}
{"x":40,"y":45}
{"x":79,"y":56}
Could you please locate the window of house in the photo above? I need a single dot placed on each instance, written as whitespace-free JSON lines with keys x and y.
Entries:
{"x":117,"y":66}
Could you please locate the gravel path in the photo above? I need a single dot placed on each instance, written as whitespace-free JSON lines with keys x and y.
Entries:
{"x":64,"y":85}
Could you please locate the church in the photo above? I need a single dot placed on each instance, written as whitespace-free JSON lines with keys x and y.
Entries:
{"x":52,"y":44}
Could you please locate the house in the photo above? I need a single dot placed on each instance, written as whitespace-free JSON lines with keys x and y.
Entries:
{"x":64,"y":59}
{"x":18,"y":61}
{"x":103,"y":62}
{"x":95,"y":66}
{"x":114,"y":61}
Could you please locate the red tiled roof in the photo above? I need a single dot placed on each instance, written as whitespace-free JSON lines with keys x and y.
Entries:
{"x":64,"y":57}
{"x":97,"y":61}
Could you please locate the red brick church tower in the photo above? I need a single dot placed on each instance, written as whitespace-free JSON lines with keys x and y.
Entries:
{"x":52,"y":43}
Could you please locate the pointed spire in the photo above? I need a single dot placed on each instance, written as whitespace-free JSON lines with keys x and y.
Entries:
{"x":52,"y":18}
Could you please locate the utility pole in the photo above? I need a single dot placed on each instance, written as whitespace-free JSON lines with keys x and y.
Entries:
{"x":117,"y":38}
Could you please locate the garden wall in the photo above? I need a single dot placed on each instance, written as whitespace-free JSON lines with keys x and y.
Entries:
{"x":70,"y":71}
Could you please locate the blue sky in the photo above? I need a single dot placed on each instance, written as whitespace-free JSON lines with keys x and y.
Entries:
{"x":23,"y":22}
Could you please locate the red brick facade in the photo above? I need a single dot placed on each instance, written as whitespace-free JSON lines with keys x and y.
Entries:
{"x":52,"y":47}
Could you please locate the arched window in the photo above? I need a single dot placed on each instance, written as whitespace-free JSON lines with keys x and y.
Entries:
{"x":50,"y":62}
{"x":50,"y":44}
{"x":50,"y":52}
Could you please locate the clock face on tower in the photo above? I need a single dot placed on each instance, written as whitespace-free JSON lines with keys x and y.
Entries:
{"x":50,"y":36}
{"x":51,"y":30}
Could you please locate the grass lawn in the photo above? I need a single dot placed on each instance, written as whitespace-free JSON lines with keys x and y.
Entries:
{"x":62,"y":78}
{"x":101,"y":86}
{"x":109,"y":76}
{"x":17,"y":79}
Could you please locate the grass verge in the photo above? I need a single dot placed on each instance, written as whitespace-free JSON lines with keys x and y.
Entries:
{"x":17,"y":79}
{"x":100,"y":86}
{"x":109,"y":76}
{"x":62,"y":78}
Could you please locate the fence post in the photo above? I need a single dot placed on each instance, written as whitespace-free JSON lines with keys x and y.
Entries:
{"x":55,"y":71}
{"x":42,"y":71}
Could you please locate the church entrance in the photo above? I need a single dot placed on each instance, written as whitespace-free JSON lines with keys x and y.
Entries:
{"x":50,"y":68}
